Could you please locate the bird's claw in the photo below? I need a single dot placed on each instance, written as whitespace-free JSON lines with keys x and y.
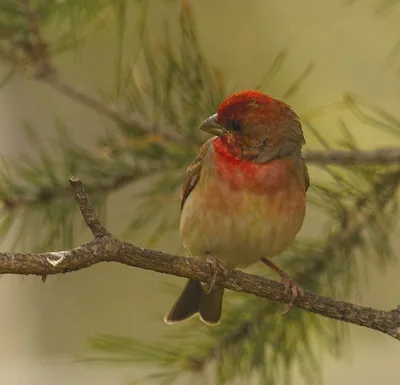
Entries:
{"x":215,"y":265}
{"x":290,"y":285}
{"x":295,"y":289}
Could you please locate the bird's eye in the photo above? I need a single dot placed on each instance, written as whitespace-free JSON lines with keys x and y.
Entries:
{"x":235,"y":125}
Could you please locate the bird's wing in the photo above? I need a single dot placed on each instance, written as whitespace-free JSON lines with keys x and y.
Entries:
{"x":307,"y":177}
{"x":192,"y":175}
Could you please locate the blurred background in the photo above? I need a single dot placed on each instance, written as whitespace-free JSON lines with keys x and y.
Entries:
{"x":337,"y":46}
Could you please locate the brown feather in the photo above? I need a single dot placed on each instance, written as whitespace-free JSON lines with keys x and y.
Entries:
{"x":192,"y":175}
{"x":307,"y":177}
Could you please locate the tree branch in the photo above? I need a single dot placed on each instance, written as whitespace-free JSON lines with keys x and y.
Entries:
{"x":91,"y":219}
{"x":380,"y":156}
{"x":107,"y":248}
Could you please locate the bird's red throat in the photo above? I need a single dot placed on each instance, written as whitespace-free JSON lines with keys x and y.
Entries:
{"x":241,"y":173}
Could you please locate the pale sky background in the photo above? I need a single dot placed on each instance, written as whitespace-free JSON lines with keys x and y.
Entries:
{"x":44,"y":327}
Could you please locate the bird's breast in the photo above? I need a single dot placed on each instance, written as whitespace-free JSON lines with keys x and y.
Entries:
{"x":242,"y":174}
{"x":240,"y":212}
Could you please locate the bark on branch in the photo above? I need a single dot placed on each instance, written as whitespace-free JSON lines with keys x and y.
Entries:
{"x":107,"y":248}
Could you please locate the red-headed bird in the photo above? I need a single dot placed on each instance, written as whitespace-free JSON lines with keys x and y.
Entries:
{"x":243,"y":197}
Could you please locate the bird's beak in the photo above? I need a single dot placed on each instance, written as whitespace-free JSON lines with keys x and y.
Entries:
{"x":211,"y":126}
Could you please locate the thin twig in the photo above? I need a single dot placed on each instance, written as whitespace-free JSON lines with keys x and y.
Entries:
{"x":380,"y":156}
{"x":115,"y":113}
{"x":91,"y":219}
{"x":107,"y":248}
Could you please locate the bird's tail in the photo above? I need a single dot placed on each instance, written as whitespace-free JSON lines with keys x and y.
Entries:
{"x":193,"y":300}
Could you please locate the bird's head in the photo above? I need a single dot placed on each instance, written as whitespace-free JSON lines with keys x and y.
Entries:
{"x":256,"y":127}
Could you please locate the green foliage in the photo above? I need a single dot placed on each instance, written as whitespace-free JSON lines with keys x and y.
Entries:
{"x":69,"y":20}
{"x":39,"y":187}
{"x":180,"y":89}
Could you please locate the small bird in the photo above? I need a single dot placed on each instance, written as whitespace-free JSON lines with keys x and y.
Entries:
{"x":243,"y":197}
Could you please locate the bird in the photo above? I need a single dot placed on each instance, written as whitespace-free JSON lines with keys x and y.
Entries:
{"x":243,"y":197}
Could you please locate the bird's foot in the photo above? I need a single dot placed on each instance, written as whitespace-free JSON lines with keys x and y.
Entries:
{"x":290,"y":285}
{"x":215,"y":265}
{"x":294,"y":288}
